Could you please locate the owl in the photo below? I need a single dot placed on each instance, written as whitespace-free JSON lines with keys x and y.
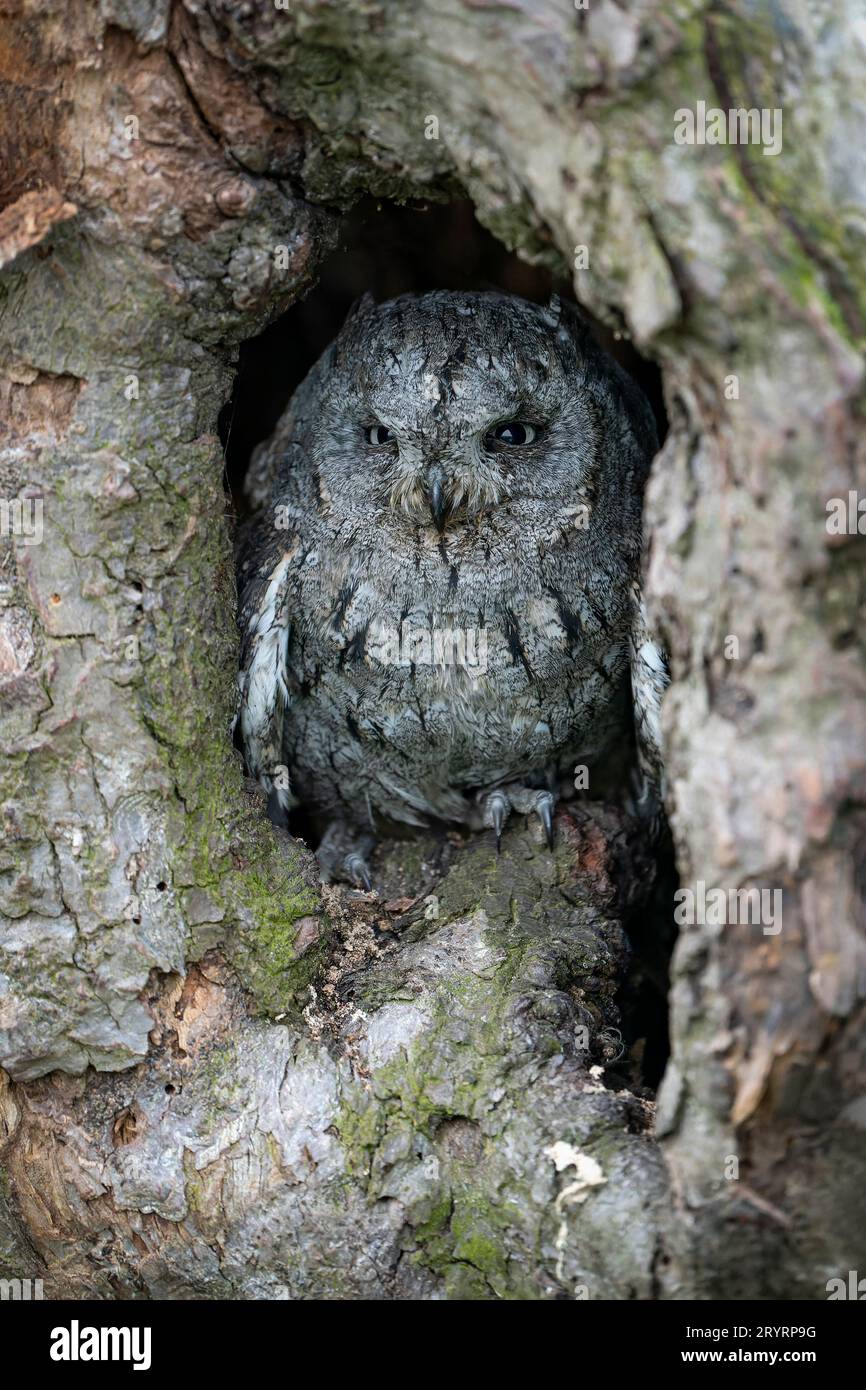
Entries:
{"x":440,"y":609}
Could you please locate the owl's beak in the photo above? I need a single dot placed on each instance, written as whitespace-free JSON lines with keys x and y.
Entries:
{"x":438,"y":504}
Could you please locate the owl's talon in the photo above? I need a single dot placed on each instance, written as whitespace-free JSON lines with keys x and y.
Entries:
{"x":544,"y":810}
{"x":354,"y":866}
{"x":495,"y":809}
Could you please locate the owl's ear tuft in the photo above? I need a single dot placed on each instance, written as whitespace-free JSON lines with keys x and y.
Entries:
{"x":362,"y":306}
{"x":552,"y":312}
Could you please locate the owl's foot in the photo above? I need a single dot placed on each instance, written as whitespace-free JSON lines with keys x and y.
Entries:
{"x":496,"y":806}
{"x":342,"y":855}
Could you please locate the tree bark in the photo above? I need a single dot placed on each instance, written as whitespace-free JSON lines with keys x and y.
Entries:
{"x":220,"y":1083}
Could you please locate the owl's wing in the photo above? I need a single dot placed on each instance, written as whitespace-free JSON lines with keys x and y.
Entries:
{"x":267,"y":558}
{"x":649,"y":680}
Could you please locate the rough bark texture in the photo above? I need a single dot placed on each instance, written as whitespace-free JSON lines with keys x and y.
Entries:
{"x":401,"y":1139}
{"x":173,"y":177}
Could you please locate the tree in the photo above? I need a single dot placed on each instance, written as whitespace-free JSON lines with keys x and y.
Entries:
{"x":219,"y":1080}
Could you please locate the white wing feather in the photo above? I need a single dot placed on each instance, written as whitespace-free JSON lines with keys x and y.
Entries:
{"x":264,"y":692}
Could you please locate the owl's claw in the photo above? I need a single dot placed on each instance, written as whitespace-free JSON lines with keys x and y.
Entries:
{"x":495,"y":808}
{"x":356,"y":869}
{"x":544,"y":808}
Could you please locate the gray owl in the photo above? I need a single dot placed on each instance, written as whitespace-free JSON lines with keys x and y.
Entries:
{"x":439,"y":596}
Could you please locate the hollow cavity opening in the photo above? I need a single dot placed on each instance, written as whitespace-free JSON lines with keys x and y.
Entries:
{"x":390,"y":250}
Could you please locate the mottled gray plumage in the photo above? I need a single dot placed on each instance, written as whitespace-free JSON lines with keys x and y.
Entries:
{"x":403,"y":497}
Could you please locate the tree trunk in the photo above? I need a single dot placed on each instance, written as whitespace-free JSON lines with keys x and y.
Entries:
{"x":220,"y":1081}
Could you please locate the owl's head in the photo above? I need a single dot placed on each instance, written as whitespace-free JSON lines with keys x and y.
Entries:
{"x":433,"y":410}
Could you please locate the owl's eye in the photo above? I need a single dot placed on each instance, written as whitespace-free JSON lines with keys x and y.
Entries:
{"x":379,"y":434}
{"x":512,"y":434}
